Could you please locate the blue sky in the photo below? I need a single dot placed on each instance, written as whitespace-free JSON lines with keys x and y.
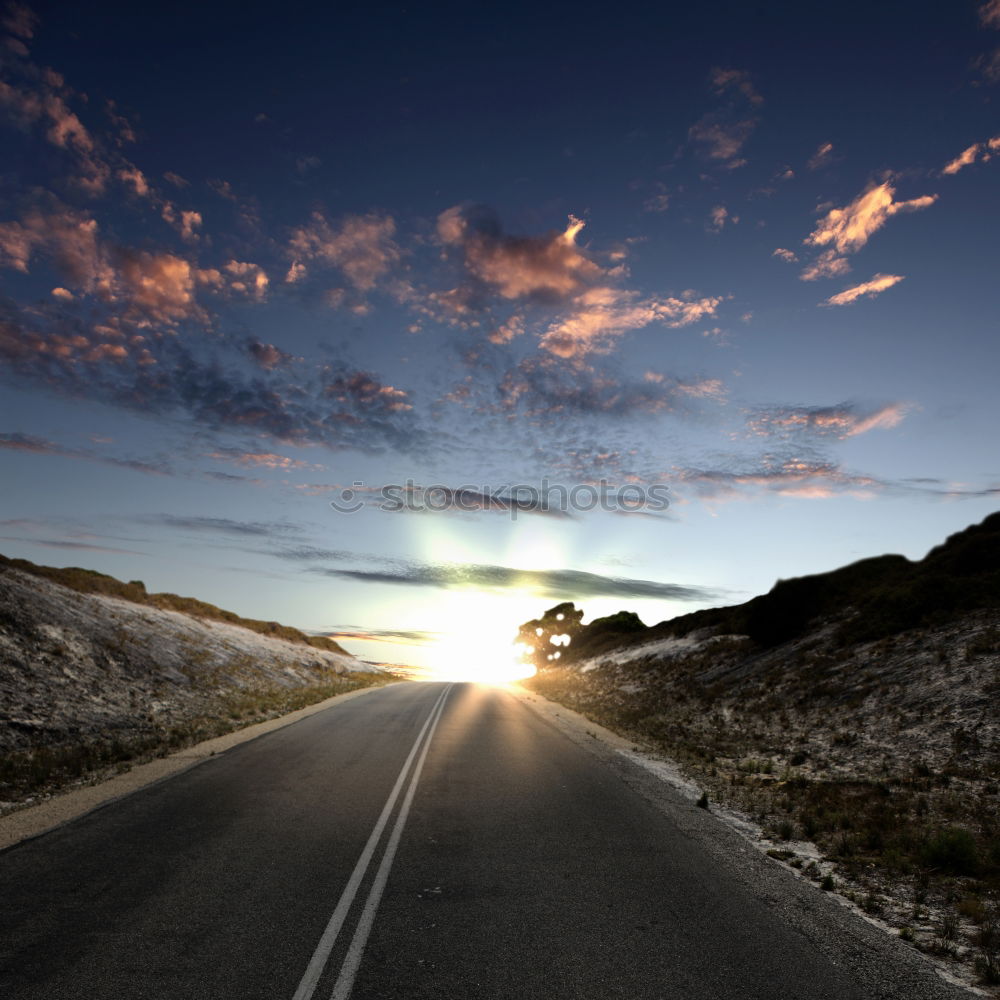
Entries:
{"x":249,"y":259}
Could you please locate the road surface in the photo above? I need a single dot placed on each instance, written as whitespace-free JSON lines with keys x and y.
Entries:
{"x":426,"y":840}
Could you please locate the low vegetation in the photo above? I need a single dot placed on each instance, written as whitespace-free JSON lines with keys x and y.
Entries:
{"x":42,"y":770}
{"x":853,"y":716}
{"x":96,"y":675}
{"x":88,"y":581}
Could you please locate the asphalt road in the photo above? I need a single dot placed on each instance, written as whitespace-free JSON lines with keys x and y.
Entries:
{"x":426,"y":840}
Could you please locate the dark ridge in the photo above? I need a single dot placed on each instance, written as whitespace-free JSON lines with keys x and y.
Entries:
{"x":888,"y":595}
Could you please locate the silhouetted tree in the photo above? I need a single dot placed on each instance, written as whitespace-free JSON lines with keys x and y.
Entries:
{"x":545,"y":638}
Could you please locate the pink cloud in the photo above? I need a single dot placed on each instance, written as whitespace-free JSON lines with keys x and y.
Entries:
{"x":989,"y":14}
{"x":786,"y":255}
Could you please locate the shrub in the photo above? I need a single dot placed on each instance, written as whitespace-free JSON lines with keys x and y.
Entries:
{"x":952,"y":849}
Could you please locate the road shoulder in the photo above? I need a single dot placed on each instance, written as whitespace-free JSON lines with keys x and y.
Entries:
{"x":64,"y":807}
{"x":888,"y":965}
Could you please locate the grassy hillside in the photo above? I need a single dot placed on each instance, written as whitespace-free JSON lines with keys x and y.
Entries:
{"x":88,"y":581}
{"x":853,"y":715}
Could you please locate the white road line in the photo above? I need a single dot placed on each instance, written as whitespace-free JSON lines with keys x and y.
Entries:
{"x":348,"y":971}
{"x":329,"y":937}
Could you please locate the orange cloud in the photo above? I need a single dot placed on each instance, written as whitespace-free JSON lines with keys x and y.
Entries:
{"x":826,"y":265}
{"x":66,"y":236}
{"x":964,"y":159}
{"x":848,"y":229}
{"x":65,"y":129}
{"x":726,"y":79}
{"x":160,"y":287}
{"x":361,"y":246}
{"x":871,"y":288}
{"x":843,"y":421}
{"x":20,"y":20}
{"x":545,"y":267}
{"x":822,"y":156}
{"x":786,"y":255}
{"x":989,"y":14}
{"x":248,"y":279}
{"x":982,"y":152}
{"x":600,"y":315}
{"x":364,"y":390}
{"x":265,"y":459}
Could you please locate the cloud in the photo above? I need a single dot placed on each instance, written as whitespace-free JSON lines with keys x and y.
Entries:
{"x":794,"y":476}
{"x":981,"y":152}
{"x":724,"y":80}
{"x":989,"y":66}
{"x":31,"y":444}
{"x":46,"y":105}
{"x":658,"y":202}
{"x":989,"y":14}
{"x":875,"y":286}
{"x":718,"y":218}
{"x":549,"y":272}
{"x":826,"y":265}
{"x":152,"y":287}
{"x":721,"y":137}
{"x":846,"y":230}
{"x":364,"y":390}
{"x":601,"y":315}
{"x":330,"y":404}
{"x":67,"y":237}
{"x":160,"y":287}
{"x":548,"y":268}
{"x":259,"y":459}
{"x":549,"y":387}
{"x":60,"y":543}
{"x":842,"y":421}
{"x":362,"y":247}
{"x":563,"y":583}
{"x":394,"y":636}
{"x":20,"y":20}
{"x":786,"y":255}
{"x":964,"y":159}
{"x":268,"y":356}
{"x":225,"y":525}
{"x":822,"y":156}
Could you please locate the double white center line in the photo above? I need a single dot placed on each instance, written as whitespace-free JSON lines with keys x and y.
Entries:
{"x":352,"y":960}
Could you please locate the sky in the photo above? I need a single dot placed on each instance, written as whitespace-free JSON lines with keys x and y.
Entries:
{"x":404,"y":323}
